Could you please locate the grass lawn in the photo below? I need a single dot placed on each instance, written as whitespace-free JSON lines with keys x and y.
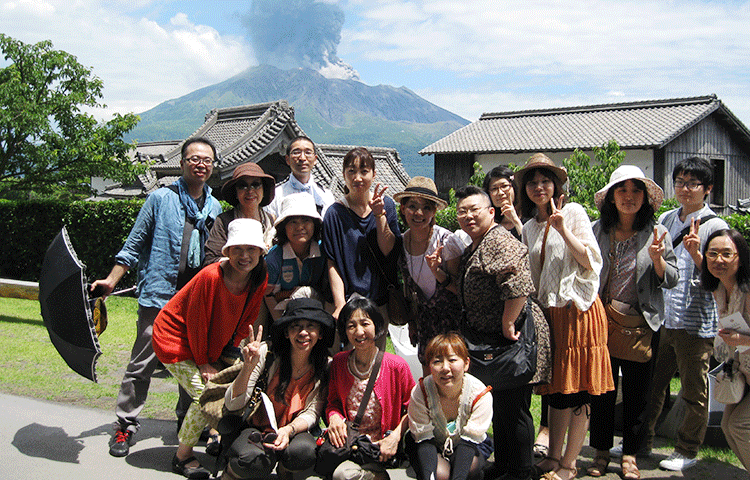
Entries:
{"x":32,"y":367}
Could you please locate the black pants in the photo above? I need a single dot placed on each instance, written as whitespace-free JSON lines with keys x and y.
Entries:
{"x":252,"y":461}
{"x":513,"y":429}
{"x":465,"y":463}
{"x":636,"y":380}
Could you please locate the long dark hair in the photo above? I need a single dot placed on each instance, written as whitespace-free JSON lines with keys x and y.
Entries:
{"x":282,"y":350}
{"x":711,"y":283}
{"x":528,"y":208}
{"x":610,"y":216}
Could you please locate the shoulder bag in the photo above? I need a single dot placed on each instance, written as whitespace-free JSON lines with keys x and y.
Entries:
{"x":730,"y":384}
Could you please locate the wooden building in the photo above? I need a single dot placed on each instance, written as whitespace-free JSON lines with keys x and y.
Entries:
{"x":654,"y":135}
{"x":252,"y":133}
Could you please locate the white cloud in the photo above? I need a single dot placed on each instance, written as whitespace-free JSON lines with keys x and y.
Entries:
{"x":141,"y":62}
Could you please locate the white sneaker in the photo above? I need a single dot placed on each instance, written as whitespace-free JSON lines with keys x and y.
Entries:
{"x":616,"y":451}
{"x":677,"y":462}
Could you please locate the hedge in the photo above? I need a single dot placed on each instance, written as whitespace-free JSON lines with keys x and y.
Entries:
{"x":99,"y":229}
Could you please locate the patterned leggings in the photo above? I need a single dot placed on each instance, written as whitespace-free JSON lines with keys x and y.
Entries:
{"x":189,"y":377}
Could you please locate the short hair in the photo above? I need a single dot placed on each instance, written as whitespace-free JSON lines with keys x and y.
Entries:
{"x":501,"y":171}
{"x":193,"y":140}
{"x":297,"y":139}
{"x":699,"y":167}
{"x":644,"y":218}
{"x":368,"y":307}
{"x":528,"y":208}
{"x":470,"y":191}
{"x":440,"y":344}
{"x":711,"y":283}
{"x":358,"y":154}
{"x":281,"y":237}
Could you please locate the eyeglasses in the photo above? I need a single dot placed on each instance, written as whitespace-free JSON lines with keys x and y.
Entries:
{"x":690,"y":185}
{"x":298,"y":152}
{"x":725,"y":254}
{"x":244,"y":186}
{"x":506,"y":187}
{"x":473,"y":211}
{"x":257,"y":437}
{"x":195,"y":160}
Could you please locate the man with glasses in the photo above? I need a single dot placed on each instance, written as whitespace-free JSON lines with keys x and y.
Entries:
{"x":166,"y":245}
{"x":687,"y":335}
{"x":301,"y":158}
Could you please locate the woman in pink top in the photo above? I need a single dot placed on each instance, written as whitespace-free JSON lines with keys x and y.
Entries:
{"x":213,"y":311}
{"x":385,"y":420}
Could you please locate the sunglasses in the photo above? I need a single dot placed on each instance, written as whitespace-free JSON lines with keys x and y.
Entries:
{"x":258,"y":437}
{"x":245,"y":186}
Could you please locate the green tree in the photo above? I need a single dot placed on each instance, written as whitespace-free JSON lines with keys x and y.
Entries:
{"x":47,"y":143}
{"x":585,"y":178}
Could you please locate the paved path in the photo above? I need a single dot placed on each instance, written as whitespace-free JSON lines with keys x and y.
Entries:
{"x":45,"y":440}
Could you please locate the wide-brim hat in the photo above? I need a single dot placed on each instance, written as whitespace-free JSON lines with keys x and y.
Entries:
{"x":540,"y":160}
{"x":244,"y":231}
{"x":249,"y":169}
{"x":421,"y":187}
{"x":300,"y":204}
{"x":631,"y":172}
{"x":305,"y":309}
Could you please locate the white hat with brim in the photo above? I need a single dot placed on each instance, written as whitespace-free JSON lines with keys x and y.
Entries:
{"x":244,"y":231}
{"x":298,"y":205}
{"x":631,"y":172}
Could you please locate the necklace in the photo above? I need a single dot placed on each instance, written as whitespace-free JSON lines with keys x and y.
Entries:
{"x":421,"y":260}
{"x":302,"y":373}
{"x":356,"y":371}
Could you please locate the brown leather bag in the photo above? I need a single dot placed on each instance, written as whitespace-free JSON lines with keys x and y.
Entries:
{"x":629,"y":336}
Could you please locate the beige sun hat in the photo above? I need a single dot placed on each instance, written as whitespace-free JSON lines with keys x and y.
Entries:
{"x":540,"y":160}
{"x":244,"y":231}
{"x":631,"y":172}
{"x":300,"y":204}
{"x":421,"y":187}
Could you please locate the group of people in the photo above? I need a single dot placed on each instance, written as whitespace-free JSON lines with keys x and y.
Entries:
{"x":526,"y":268}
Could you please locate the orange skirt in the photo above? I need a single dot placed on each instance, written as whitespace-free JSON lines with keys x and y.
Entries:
{"x":580,"y":359}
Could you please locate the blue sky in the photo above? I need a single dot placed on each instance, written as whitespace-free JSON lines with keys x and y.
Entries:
{"x":467,"y":57}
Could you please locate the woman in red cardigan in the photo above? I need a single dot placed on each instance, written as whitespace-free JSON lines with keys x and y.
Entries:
{"x":385,"y":419}
{"x":213,"y":311}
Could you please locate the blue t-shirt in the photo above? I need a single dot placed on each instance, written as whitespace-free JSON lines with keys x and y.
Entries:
{"x":345,"y":244}
{"x":284,"y":272}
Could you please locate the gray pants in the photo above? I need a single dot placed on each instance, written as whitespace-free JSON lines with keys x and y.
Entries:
{"x":137,"y":378}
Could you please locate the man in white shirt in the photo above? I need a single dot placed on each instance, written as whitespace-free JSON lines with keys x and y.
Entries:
{"x":301,"y":158}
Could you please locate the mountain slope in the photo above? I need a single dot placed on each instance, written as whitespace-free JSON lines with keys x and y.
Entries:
{"x":345,"y":112}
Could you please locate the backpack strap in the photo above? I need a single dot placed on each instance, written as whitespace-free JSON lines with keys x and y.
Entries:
{"x":678,"y":239}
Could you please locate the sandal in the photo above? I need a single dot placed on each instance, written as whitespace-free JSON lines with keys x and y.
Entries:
{"x":554,"y":476}
{"x":599,"y":467}
{"x":540,"y":450}
{"x":630,"y":469}
{"x":181,"y":468}
{"x":539,"y":472}
{"x":213,"y":445}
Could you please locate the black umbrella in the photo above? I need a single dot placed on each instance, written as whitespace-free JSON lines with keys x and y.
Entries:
{"x":66,"y":309}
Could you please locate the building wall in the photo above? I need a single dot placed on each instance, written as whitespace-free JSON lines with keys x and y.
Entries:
{"x":452,"y":171}
{"x":709,"y":139}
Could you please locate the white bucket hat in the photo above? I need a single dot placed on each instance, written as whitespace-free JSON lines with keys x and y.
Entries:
{"x":244,"y":231}
{"x":298,"y":205}
{"x":631,"y":172}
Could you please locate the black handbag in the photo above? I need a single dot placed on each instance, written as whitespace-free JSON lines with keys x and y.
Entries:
{"x":504,"y":364}
{"x":358,"y":448}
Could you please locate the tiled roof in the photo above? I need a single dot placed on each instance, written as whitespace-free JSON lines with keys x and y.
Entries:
{"x":389,"y":171}
{"x":646,"y":124}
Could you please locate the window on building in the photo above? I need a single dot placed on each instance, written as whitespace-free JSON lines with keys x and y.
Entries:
{"x":717,"y":193}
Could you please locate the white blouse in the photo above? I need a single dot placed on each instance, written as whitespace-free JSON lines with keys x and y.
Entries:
{"x":562,"y":279}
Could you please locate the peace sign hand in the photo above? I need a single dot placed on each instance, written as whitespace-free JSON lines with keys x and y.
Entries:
{"x":656,"y":249}
{"x":377,"y":204}
{"x":435,"y":259}
{"x":555,"y":219}
{"x":692,"y":241}
{"x":251,"y":350}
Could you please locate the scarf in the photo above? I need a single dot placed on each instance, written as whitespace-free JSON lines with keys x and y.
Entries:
{"x":199,"y":235}
{"x":308,"y":187}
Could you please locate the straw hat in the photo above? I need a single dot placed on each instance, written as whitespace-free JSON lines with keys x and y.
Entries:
{"x":305,"y":309}
{"x":244,"y":231}
{"x":300,"y":204}
{"x":540,"y":160}
{"x":249,"y":169}
{"x":421,"y":187}
{"x":631,"y":172}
